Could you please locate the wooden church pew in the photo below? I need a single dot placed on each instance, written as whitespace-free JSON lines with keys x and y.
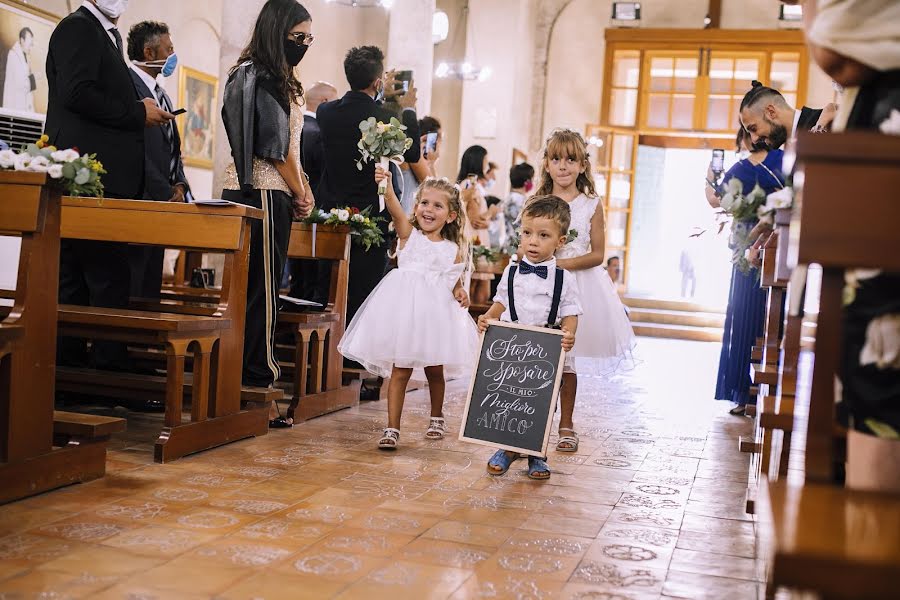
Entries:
{"x":30,"y":463}
{"x":214,"y":340}
{"x":820,"y":536}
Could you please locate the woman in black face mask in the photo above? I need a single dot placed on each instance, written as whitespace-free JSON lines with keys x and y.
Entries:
{"x":263,"y":118}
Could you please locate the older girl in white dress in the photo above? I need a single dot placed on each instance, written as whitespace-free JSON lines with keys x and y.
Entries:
{"x":415,"y":322}
{"x":605,"y":336}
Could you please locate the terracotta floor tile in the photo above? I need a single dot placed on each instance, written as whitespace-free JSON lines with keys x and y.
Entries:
{"x":609,"y":576}
{"x":127,"y":591}
{"x":101,"y":561}
{"x":407,"y":580}
{"x":582,"y":591}
{"x":468,"y":533}
{"x":84,"y":528}
{"x":551,"y":523}
{"x":282,"y":587}
{"x":54,"y":584}
{"x":198,"y":576}
{"x":445,"y":554}
{"x":506,"y":585}
{"x":331,"y":566}
{"x":743,"y":545}
{"x":705,"y":587}
{"x":528,"y":564}
{"x":548,"y":544}
{"x":705,"y":524}
{"x":158,"y":541}
{"x":719,"y":565}
{"x":17,"y":518}
{"x":280,"y":529}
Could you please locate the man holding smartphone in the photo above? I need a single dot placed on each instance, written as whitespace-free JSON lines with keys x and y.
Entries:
{"x":92,"y":105}
{"x":152,"y":54}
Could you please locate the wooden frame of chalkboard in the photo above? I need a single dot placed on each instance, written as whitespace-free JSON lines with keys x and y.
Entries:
{"x":477,"y":382}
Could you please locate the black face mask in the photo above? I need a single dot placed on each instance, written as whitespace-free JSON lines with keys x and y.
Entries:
{"x":294,"y":52}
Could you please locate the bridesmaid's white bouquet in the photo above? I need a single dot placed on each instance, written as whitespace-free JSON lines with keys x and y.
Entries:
{"x":384,"y":142}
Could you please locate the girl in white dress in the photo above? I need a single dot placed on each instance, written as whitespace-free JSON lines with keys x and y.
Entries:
{"x":415,"y":322}
{"x":605,"y":336}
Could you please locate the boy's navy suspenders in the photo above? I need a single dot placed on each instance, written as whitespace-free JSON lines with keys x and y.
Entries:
{"x":554,"y":305}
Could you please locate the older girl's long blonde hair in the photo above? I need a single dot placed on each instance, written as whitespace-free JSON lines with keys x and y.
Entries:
{"x":455,"y":230}
{"x":563,"y":144}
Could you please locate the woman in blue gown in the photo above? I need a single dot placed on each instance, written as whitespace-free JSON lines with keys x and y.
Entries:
{"x":745,"y":315}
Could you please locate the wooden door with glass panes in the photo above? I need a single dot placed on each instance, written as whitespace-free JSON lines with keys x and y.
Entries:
{"x":671,"y":84}
{"x":726,"y":77}
{"x":613,"y":155}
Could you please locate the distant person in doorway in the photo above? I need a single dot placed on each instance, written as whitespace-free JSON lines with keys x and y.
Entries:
{"x":613,"y":268}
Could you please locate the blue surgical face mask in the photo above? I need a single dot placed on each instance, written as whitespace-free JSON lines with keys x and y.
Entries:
{"x":167,"y":66}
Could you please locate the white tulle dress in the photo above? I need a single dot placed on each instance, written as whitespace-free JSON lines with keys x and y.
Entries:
{"x":411,"y":319}
{"x":605,"y":338}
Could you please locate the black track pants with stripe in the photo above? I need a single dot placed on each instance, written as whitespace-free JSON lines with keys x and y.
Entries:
{"x":268,"y":252}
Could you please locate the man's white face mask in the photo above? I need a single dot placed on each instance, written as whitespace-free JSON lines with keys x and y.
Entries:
{"x":113,"y":9}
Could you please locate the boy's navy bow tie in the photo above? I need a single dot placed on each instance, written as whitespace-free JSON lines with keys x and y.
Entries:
{"x":540,"y":271}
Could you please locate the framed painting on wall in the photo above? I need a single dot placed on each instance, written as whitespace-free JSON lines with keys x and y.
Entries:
{"x":24,"y":41}
{"x":197,"y":93}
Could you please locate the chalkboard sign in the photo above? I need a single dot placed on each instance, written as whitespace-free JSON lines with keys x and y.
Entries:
{"x":512,"y":396}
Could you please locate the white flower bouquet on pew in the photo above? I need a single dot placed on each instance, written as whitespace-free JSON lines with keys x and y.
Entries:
{"x":384,"y":142}
{"x":79,"y":175}
{"x":364,"y":229}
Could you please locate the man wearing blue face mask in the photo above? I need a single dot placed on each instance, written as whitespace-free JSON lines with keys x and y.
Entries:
{"x":152,"y":54}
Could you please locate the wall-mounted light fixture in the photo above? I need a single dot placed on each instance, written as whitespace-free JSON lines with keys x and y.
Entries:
{"x":790,"y":16}
{"x":626,"y":14}
{"x":465,"y":71}
{"x":440,"y":26}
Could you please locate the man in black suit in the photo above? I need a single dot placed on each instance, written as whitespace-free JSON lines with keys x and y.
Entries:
{"x":342,"y":183}
{"x":152,"y":53}
{"x":304,"y":273}
{"x":93,"y":106}
{"x":770,"y":120}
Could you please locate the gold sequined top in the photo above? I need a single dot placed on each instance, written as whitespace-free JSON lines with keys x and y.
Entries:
{"x":265,"y":175}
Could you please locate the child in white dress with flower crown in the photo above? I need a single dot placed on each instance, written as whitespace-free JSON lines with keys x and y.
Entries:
{"x":415,"y":322}
{"x":605,"y":335}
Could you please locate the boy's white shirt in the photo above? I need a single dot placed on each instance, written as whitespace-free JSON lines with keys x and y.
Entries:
{"x":534,"y":296}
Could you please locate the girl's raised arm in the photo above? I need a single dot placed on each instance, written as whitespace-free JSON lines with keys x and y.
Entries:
{"x":401,"y":220}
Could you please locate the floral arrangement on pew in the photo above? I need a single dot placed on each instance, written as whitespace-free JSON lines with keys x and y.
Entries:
{"x":483,"y":256}
{"x":384,"y":142}
{"x":79,"y":175}
{"x":364,"y":229}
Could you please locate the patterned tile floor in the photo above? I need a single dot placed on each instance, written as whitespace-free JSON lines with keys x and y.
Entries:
{"x":651,"y":506}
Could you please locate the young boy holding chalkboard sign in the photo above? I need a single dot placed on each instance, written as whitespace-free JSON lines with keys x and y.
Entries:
{"x":534,"y":291}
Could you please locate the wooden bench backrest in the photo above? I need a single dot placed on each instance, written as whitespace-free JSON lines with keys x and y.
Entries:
{"x":849,"y":210}
{"x":311,"y":241}
{"x":845,"y":217}
{"x":170,"y":224}
{"x":20,"y":206}
{"x":31,"y":210}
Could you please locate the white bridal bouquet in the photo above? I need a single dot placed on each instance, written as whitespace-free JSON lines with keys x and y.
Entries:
{"x":384,"y":142}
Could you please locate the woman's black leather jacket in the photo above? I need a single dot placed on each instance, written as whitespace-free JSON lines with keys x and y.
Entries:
{"x":257,"y":124}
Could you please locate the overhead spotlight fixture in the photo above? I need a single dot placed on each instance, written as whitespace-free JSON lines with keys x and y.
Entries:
{"x":626,"y":14}
{"x":790,"y":16}
{"x":440,"y":27}
{"x":465,"y":71}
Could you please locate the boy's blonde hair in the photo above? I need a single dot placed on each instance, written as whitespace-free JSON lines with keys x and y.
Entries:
{"x":565,"y":143}
{"x":552,"y":207}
